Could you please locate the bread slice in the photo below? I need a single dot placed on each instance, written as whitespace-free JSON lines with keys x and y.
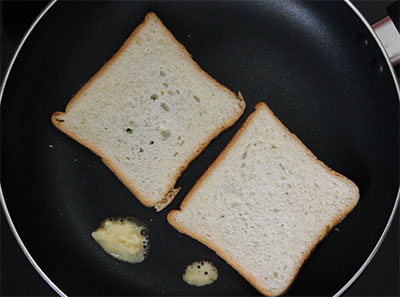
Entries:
{"x":149,"y":111}
{"x":265,"y":203}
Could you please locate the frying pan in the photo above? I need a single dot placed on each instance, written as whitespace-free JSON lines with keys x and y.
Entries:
{"x":316,"y":64}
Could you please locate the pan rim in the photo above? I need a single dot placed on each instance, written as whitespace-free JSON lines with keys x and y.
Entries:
{"x":60,"y":292}
{"x":2,"y":199}
{"x":396,"y":203}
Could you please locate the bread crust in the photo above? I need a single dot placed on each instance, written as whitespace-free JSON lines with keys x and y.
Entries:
{"x":245,"y":273}
{"x":171,"y":192}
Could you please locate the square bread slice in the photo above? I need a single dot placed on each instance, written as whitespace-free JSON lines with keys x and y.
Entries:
{"x":265,"y":203}
{"x":149,"y":111}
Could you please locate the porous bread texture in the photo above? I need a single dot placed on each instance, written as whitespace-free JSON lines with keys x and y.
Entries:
{"x":265,"y":203}
{"x":149,"y":112}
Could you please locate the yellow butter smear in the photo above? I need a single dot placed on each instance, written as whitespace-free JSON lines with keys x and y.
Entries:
{"x":124,"y":238}
{"x":200,"y":273}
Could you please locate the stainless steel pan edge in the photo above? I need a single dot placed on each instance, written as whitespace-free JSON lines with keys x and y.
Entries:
{"x":3,"y":202}
{"x":396,"y":204}
{"x":61,"y":293}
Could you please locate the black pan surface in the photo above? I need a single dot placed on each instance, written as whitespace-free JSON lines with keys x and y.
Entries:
{"x":308,"y":60}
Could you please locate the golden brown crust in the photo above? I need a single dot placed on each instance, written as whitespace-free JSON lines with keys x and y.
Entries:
{"x":163,"y":203}
{"x":129,"y":184}
{"x":245,"y":273}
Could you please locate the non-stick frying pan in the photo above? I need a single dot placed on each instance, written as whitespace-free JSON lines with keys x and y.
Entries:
{"x":316,"y":64}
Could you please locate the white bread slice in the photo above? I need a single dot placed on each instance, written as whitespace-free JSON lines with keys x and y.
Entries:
{"x":265,"y":203}
{"x":149,"y":111}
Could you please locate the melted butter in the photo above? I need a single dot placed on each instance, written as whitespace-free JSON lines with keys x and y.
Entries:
{"x":125,"y":239}
{"x":200,"y":273}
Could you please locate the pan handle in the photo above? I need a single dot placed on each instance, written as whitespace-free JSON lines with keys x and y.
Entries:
{"x":388,"y":32}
